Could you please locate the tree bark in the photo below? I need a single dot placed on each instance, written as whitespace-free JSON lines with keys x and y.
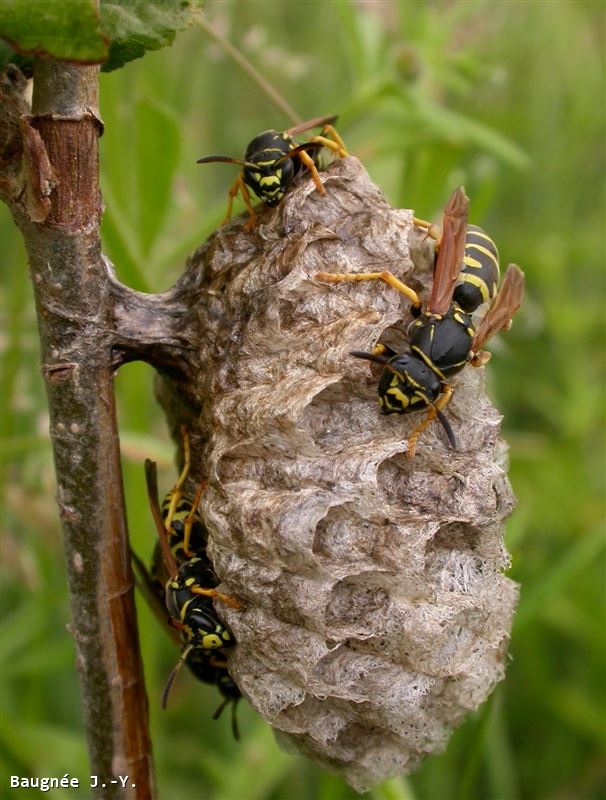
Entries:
{"x":51,"y":183}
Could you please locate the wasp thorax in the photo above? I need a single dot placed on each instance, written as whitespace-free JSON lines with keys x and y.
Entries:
{"x":270,"y":143}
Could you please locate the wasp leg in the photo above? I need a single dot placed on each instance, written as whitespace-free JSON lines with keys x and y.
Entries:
{"x":433,"y":231}
{"x":315,"y":176}
{"x":336,"y":144}
{"x":252,"y":216}
{"x":233,"y":191}
{"x":188,"y":522}
{"x":224,"y":598}
{"x":432,"y":413}
{"x":331,"y":131}
{"x":388,"y":277}
{"x":176,"y":493}
{"x":239,"y":186}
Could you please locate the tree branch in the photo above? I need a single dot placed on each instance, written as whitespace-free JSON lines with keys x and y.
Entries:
{"x":56,"y":203}
{"x":155,"y":328}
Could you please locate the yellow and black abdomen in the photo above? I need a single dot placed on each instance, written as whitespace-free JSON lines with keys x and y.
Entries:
{"x":479,"y":277}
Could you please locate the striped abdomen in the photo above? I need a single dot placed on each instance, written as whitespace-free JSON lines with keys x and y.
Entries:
{"x":479,"y":277}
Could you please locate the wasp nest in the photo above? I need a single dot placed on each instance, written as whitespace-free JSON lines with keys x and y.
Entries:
{"x":376,"y":612}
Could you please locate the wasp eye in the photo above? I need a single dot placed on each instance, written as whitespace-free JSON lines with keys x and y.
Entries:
{"x":288,"y":169}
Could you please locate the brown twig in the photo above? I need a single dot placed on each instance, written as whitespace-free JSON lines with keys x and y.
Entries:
{"x":55,"y":201}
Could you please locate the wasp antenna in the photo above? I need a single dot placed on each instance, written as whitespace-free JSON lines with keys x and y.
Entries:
{"x":447,"y":428}
{"x":369,"y":356}
{"x":173,"y":674}
{"x":221,"y":160}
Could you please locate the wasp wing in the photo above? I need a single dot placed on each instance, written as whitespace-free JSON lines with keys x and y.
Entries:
{"x":506,"y":303}
{"x":316,"y":122}
{"x":450,"y":252}
{"x":154,"y":596}
{"x":151,"y":483}
{"x":301,"y":148}
{"x":151,"y":480}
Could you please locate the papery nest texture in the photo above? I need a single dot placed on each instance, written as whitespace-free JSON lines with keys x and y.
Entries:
{"x":376,"y":613}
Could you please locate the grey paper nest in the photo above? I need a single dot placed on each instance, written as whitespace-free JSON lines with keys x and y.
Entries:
{"x":376,"y":612}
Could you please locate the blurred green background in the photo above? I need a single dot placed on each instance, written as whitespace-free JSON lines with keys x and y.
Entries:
{"x":507,"y":98}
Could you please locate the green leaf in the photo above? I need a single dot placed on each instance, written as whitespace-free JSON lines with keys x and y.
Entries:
{"x":78,"y":31}
{"x":69,"y":31}
{"x":136,"y":26}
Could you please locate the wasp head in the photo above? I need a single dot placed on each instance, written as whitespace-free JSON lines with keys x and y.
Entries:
{"x":406,"y":383}
{"x":268,"y":177}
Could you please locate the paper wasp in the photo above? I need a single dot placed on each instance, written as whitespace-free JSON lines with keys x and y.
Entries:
{"x":443,"y":338}
{"x":182,"y":585}
{"x":273,"y":160}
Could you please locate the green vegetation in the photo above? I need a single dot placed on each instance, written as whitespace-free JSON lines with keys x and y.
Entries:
{"x":507,"y":98}
{"x":110,"y":33}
